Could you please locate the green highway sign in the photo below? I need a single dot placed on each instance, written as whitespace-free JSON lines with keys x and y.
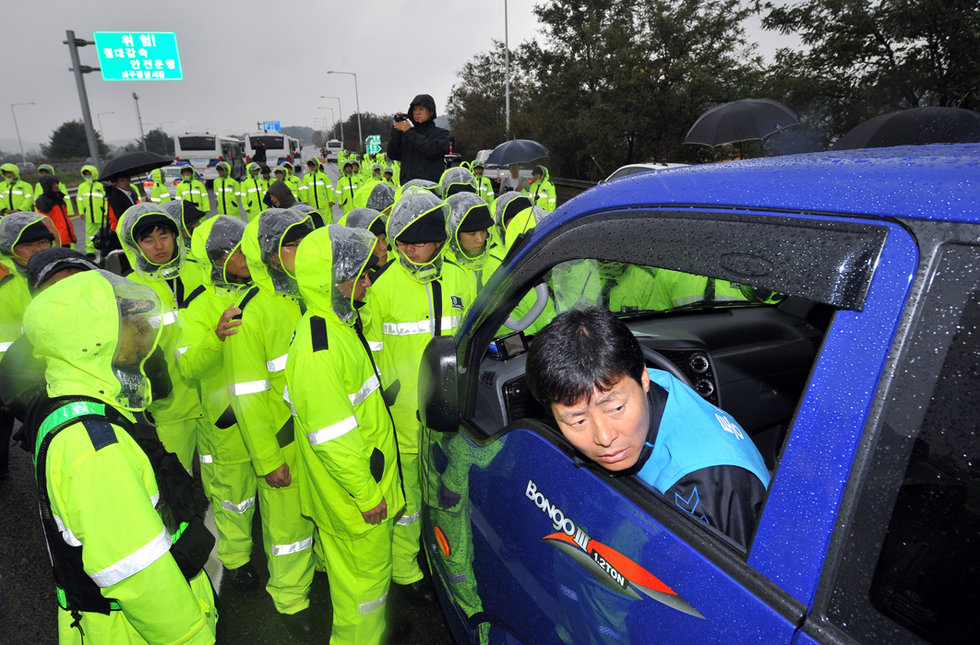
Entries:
{"x":138,"y":55}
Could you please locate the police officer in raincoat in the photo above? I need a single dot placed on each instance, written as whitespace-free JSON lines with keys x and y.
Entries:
{"x":468,"y":229}
{"x":348,"y":466}
{"x":227,"y":191}
{"x":255,"y":363}
{"x":123,"y":526}
{"x":92,"y":205}
{"x":253,"y":189}
{"x":153,"y":245}
{"x":417,"y":297}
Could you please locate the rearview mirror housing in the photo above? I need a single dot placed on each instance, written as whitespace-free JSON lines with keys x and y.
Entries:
{"x":439,"y":386}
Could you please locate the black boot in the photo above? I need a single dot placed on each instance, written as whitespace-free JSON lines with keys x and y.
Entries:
{"x":244,"y":578}
{"x":418,"y":593}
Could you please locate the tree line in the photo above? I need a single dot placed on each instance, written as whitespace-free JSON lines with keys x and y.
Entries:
{"x":611,"y":82}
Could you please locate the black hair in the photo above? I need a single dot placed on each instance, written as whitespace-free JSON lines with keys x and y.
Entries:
{"x":146,"y":231}
{"x":579,"y":351}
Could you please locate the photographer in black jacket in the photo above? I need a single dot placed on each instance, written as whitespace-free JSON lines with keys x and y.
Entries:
{"x":417,"y":142}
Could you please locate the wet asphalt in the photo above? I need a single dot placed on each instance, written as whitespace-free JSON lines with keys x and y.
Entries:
{"x":28,"y":611}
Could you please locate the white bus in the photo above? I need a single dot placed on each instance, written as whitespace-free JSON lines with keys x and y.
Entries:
{"x":331,"y":149}
{"x":279,"y":147}
{"x":203,"y":151}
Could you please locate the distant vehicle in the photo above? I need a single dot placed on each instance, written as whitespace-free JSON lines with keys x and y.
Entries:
{"x":171,"y":177}
{"x":279,"y":147}
{"x":637,"y":168}
{"x":203,"y":151}
{"x":331,"y":149}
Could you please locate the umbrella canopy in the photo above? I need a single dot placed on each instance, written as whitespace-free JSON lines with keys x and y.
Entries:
{"x":133,"y":163}
{"x":742,"y":120}
{"x":913,"y":127}
{"x":516,"y":151}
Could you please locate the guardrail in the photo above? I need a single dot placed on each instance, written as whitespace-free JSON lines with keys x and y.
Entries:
{"x":565,"y":189}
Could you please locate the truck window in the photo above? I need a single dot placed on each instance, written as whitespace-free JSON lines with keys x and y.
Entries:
{"x":196,"y":143}
{"x":912,"y":557}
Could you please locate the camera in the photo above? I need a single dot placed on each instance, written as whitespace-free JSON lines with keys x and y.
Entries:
{"x":401,"y":117}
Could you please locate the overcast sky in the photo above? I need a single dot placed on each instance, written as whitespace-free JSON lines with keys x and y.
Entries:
{"x":246,"y":60}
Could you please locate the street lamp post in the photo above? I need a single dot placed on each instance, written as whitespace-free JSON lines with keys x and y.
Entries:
{"x":357,"y":104}
{"x":23,"y":157}
{"x":333,"y":120}
{"x":101,"y":131}
{"x":340,"y":111}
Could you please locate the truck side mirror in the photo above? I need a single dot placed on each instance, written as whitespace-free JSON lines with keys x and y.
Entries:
{"x":438,"y":386}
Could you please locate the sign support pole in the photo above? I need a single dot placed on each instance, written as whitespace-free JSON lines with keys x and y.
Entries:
{"x":79,"y":69}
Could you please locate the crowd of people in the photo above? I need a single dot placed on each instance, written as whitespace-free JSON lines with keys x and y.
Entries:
{"x":272,"y":340}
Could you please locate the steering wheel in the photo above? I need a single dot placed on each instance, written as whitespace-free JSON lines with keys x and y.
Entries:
{"x":662,"y":362}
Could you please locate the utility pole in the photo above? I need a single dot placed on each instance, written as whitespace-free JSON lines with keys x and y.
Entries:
{"x":79,"y":69}
{"x":139,"y":118}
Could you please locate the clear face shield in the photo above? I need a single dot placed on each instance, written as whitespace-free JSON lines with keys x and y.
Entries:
{"x":466,"y":209}
{"x":223,"y":248}
{"x":505,"y":210}
{"x":382,"y":197}
{"x":412,"y":207}
{"x":140,"y":215}
{"x":352,"y":250}
{"x":13,"y":233}
{"x":456,"y":179}
{"x":280,"y":231}
{"x":140,"y":319}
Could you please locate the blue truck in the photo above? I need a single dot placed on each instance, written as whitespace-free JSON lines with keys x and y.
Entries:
{"x":830,"y":303}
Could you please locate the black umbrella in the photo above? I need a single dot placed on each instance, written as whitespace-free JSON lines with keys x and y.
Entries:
{"x":742,"y":120}
{"x":516,"y":151}
{"x":913,"y":127}
{"x":133,"y":163}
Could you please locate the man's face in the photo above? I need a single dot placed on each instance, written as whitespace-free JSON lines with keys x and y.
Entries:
{"x":186,"y":176}
{"x":136,"y":337}
{"x":419,"y":253}
{"x":513,"y":170}
{"x":158,"y":245}
{"x":43,"y":172}
{"x":478,"y":171}
{"x":8,"y":175}
{"x":610,"y":427}
{"x":536,"y":176}
{"x":421,"y":114}
{"x":355,"y":287}
{"x":222,"y":172}
{"x":122,"y":182}
{"x":381,"y":247}
{"x":236,"y":267}
{"x":87,"y":175}
{"x":287,"y":256}
{"x":473,"y":242}
{"x":24,"y":250}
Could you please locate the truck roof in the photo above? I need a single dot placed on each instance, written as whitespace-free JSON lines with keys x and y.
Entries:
{"x":939,"y":182}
